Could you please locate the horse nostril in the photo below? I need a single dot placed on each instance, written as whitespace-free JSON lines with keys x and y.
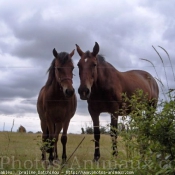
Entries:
{"x":69,"y":92}
{"x":86,"y":91}
{"x":83,"y":91}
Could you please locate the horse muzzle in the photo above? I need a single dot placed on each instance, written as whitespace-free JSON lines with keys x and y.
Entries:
{"x":84,"y":93}
{"x":69,"y":92}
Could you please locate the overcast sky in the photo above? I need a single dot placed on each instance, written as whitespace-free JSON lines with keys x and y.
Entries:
{"x":124,"y":29}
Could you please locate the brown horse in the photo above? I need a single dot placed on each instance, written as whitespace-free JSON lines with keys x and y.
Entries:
{"x":56,"y":104}
{"x":102,"y":86}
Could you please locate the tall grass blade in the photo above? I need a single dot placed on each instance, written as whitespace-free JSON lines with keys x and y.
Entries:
{"x":159,"y":80}
{"x":163,"y":65}
{"x":169,"y":61}
{"x":12,"y":125}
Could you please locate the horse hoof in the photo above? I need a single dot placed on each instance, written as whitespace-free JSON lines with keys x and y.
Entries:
{"x":63,"y":161}
{"x":46,"y":163}
{"x":115,"y":154}
{"x":96,"y":159}
{"x":56,"y":161}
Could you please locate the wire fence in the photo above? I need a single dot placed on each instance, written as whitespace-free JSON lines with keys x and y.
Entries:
{"x":76,"y":67}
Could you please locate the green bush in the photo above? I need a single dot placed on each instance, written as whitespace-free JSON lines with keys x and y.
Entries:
{"x":150,"y":140}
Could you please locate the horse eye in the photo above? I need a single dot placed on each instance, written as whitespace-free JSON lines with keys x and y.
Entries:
{"x":58,"y":68}
{"x":95,"y":64}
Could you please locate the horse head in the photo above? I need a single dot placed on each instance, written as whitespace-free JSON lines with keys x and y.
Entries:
{"x":87,"y":70}
{"x":64,"y":71}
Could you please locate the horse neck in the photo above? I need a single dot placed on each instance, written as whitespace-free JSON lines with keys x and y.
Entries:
{"x":56,"y":86}
{"x":106,"y":75}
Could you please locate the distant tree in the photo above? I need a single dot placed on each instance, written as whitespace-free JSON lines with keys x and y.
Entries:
{"x":82,"y":131}
{"x":38,"y":132}
{"x":103,"y":130}
{"x":21,"y":129}
{"x":90,"y":130}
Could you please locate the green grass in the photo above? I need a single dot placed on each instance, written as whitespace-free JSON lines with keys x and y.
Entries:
{"x":21,"y":152}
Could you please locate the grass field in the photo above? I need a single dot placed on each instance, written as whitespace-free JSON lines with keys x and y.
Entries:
{"x":21,"y":152}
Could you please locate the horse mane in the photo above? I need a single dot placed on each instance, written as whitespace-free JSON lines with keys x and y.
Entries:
{"x":63,"y":58}
{"x":100,"y":57}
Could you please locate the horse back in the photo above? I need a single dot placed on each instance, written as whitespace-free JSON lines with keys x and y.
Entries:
{"x":139,"y":79}
{"x":107,"y":99}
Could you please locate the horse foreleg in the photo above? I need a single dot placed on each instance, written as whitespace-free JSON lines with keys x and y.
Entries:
{"x":55,"y":154}
{"x":50,"y":144}
{"x":64,"y":140}
{"x":44,"y":139}
{"x":58,"y":127}
{"x":96,"y":136}
{"x":114,"y":134}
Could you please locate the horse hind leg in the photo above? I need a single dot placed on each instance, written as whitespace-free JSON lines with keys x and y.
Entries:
{"x":114,"y":134}
{"x":55,"y":156}
{"x":64,"y":141}
{"x":95,"y":119}
{"x":51,"y":141}
{"x":45,"y":136}
{"x":58,"y":127}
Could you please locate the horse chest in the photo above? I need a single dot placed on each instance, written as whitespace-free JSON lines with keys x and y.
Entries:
{"x":104,"y":101}
{"x":99,"y":106}
{"x":56,"y":111}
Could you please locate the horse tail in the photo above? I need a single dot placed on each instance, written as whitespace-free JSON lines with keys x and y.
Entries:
{"x":154,"y":92}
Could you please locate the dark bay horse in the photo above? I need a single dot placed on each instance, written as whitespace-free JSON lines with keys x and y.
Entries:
{"x":57,"y":103}
{"x":102,"y":86}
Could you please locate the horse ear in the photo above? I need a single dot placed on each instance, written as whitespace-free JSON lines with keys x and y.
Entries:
{"x":55,"y":53}
{"x":80,"y":52}
{"x":95,"y":49}
{"x":72,"y":53}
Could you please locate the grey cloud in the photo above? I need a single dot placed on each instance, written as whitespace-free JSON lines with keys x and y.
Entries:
{"x":125,"y":32}
{"x":21,"y":83}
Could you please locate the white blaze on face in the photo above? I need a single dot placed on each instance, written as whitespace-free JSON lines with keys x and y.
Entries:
{"x":85,"y":59}
{"x":64,"y":88}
